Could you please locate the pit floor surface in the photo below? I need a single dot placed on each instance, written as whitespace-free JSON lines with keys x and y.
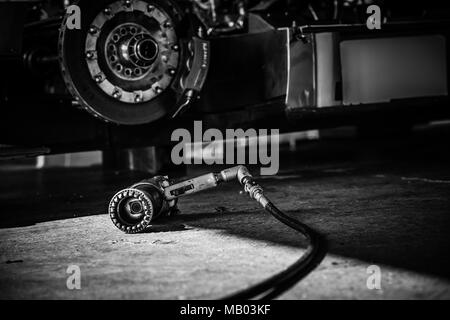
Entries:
{"x":384,"y":203}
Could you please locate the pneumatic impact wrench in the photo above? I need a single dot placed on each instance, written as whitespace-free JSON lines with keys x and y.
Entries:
{"x":133,"y":209}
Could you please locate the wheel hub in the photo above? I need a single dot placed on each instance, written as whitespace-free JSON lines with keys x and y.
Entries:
{"x":131,"y":51}
{"x":147,"y":49}
{"x":138,"y":57}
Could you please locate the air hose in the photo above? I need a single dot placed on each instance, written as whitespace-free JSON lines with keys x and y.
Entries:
{"x":133,"y":209}
{"x":279,"y":283}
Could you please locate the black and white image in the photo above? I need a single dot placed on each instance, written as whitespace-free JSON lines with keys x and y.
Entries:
{"x":240,"y":149}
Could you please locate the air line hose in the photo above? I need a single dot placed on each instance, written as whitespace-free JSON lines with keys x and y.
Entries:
{"x":279,"y":283}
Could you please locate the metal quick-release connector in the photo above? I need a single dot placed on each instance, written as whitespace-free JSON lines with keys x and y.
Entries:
{"x":254,"y":190}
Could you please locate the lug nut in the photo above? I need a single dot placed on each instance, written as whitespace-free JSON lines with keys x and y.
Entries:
{"x":167,"y":24}
{"x":90,"y":55}
{"x":172,"y":72}
{"x":127,"y":3}
{"x":107,"y":11}
{"x":137,"y":99}
{"x":175,"y":47}
{"x":150,"y":8}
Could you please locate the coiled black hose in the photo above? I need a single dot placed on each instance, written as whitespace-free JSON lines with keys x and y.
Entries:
{"x":279,"y":283}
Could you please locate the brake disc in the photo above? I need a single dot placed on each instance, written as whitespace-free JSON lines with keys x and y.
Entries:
{"x":125,"y":65}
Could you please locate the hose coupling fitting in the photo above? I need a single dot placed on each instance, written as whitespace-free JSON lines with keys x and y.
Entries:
{"x":254,"y":190}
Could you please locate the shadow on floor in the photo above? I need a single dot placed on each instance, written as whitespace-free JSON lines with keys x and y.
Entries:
{"x":394,"y":212}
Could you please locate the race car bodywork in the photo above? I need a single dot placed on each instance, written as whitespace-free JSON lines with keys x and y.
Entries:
{"x":144,"y":68}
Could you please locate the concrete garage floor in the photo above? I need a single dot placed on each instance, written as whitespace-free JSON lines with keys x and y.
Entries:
{"x":377,"y":202}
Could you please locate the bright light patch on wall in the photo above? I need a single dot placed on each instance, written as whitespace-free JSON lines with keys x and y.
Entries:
{"x":72,"y":160}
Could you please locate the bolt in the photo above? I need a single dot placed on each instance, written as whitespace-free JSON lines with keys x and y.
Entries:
{"x":175,"y":47}
{"x":92,"y":29}
{"x":117,"y":94}
{"x":137,"y":98}
{"x":158,"y":90}
{"x":164,"y":58}
{"x":167,"y":24}
{"x":150,"y":8}
{"x":127,"y":3}
{"x":107,"y":11}
{"x":90,"y":55}
{"x":98,"y":78}
{"x":172,"y":72}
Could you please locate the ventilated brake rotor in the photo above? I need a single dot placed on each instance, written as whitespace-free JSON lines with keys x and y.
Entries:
{"x":124,"y":64}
